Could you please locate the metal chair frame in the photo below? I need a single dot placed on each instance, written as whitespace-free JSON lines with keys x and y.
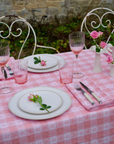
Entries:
{"x":30,"y":28}
{"x":92,"y":12}
{"x":18,"y":19}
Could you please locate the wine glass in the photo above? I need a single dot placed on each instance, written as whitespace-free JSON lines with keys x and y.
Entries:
{"x":4,"y":56}
{"x":77,"y":42}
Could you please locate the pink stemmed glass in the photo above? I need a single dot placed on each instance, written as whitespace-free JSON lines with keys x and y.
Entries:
{"x":4,"y":56}
{"x":77,"y":42}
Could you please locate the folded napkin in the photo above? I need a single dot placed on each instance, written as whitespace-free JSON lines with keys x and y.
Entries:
{"x":106,"y":99}
{"x":7,"y":71}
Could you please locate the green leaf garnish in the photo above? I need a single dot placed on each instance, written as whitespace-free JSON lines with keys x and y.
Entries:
{"x":44,"y":105}
{"x":37,"y":60}
{"x":48,"y":107}
{"x":42,"y":109}
{"x":39,"y":100}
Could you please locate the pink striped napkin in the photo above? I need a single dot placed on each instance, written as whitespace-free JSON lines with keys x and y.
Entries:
{"x":107,"y":100}
{"x":9,"y":76}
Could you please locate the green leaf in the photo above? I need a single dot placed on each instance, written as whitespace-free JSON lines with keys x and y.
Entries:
{"x":97,"y":50}
{"x":42,"y":109}
{"x":40,"y":100}
{"x":48,"y":107}
{"x":32,"y":100}
{"x":35,"y":58}
{"x":39,"y":59}
{"x":44,"y":105}
{"x":35,"y":62}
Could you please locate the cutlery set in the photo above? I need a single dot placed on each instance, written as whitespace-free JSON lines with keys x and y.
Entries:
{"x":77,"y":87}
{"x":9,"y":68}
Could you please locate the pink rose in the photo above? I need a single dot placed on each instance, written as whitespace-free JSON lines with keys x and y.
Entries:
{"x":43,"y":63}
{"x":102,"y":44}
{"x":100,"y":33}
{"x":94,"y":34}
{"x":109,"y":59}
{"x":31,"y":96}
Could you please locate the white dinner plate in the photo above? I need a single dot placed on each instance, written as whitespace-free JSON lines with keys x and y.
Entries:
{"x":50,"y":62}
{"x":13,"y":104}
{"x":45,"y":70}
{"x":49,"y":98}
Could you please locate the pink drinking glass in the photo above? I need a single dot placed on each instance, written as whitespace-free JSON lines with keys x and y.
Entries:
{"x":19,"y":68}
{"x":77,"y":42}
{"x":66,"y":71}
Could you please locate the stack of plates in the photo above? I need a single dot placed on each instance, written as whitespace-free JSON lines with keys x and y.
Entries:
{"x":59,"y":101}
{"x":51,"y":63}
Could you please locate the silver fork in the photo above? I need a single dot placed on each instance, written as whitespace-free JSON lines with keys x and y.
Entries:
{"x":10,"y":71}
{"x":77,"y":87}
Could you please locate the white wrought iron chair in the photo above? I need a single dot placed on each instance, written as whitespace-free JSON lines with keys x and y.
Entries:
{"x":100,"y":14}
{"x":17,"y":19}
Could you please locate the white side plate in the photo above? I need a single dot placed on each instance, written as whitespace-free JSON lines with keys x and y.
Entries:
{"x":50,"y":62}
{"x":13,"y":104}
{"x":48,"y":97}
{"x":45,"y":70}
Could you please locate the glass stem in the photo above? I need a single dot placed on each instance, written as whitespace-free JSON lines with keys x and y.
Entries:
{"x":76,"y":64}
{"x":2,"y":69}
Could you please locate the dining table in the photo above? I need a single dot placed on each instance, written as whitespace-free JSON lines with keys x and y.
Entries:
{"x":77,"y":125}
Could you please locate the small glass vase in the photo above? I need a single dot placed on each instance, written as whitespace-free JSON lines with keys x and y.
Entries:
{"x":97,"y":63}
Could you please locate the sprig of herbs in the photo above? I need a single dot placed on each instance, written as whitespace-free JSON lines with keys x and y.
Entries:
{"x":39,"y":100}
{"x":37,"y":60}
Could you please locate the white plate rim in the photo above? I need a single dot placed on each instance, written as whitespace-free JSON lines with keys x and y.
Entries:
{"x":45,"y":112}
{"x":45,"y":70}
{"x":68,"y":105}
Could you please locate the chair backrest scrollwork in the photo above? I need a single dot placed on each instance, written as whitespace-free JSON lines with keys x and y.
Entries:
{"x":95,"y":25}
{"x":10,"y":31}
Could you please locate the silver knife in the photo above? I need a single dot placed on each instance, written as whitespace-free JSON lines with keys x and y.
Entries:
{"x":10,"y":71}
{"x":92,"y":93}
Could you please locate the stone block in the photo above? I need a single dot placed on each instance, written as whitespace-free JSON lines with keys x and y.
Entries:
{"x":52,"y":4}
{"x":60,"y":8}
{"x":55,"y":0}
{"x":40,"y":1}
{"x":53,"y":11}
{"x":31,"y":1}
{"x":31,"y":6}
{"x":8,"y":2}
{"x":20,"y":2}
{"x":41,"y":5}
{"x":17,"y":7}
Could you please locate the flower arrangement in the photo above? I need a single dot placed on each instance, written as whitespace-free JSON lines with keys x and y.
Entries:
{"x":102,"y":44}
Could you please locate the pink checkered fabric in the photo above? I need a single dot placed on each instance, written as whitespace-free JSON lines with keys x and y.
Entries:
{"x":76,"y":125}
{"x":106,"y":99}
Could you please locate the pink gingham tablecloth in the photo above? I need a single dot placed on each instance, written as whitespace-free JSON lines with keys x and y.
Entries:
{"x":76,"y":125}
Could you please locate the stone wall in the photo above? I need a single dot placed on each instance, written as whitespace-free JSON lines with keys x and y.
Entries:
{"x":51,"y":8}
